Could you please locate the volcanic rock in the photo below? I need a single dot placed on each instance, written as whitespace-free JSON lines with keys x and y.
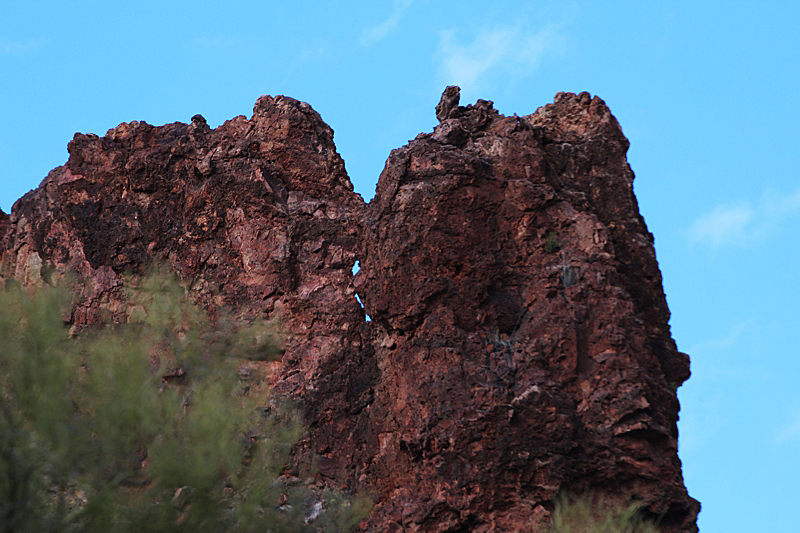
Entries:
{"x":519,"y":341}
{"x":5,"y":230}
{"x":5,"y":227}
{"x":527,"y":347}
{"x":448,"y":103}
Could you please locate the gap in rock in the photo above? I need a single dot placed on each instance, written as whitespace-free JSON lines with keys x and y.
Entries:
{"x":356,"y":268}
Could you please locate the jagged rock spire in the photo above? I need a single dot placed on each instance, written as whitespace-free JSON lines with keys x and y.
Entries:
{"x":448,"y":104}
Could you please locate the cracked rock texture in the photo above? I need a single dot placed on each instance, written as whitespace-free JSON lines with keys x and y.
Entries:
{"x":519,"y":341}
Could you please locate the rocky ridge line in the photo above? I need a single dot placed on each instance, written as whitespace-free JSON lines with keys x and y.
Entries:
{"x":519,"y":341}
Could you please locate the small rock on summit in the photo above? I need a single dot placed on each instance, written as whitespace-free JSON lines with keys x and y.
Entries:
{"x":448,"y":104}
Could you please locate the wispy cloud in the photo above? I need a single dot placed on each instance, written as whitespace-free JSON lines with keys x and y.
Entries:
{"x":316,"y":51}
{"x":723,"y":225}
{"x":9,"y":47}
{"x":782,"y":205}
{"x":706,"y":397}
{"x":505,"y":51}
{"x":745,"y":224}
{"x":376,"y":33}
{"x":719,"y":344}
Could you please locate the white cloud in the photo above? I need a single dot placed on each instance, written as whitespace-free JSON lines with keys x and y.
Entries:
{"x":779,"y":206}
{"x":719,"y":344}
{"x":745,"y":224}
{"x":724,"y":225}
{"x":376,"y":33}
{"x":506,"y":51}
{"x":9,"y":47}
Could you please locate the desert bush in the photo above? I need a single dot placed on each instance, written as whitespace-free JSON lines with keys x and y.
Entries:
{"x":145,"y":426}
{"x":586,"y":514}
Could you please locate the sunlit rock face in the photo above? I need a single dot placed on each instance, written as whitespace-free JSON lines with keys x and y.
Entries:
{"x":518,"y":343}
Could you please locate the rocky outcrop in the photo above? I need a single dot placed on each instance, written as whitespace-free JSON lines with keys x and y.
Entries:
{"x":519,"y":341}
{"x":244,"y":209}
{"x":526,"y":347}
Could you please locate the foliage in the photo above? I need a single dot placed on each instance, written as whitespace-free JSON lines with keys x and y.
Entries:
{"x":552,"y":244}
{"x":145,"y":426}
{"x":583,"y":514}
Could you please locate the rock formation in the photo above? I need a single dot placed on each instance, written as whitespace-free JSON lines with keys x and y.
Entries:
{"x":519,"y":341}
{"x":5,"y":227}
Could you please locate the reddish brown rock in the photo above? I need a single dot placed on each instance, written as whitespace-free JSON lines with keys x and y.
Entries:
{"x":520,"y":325}
{"x":257,"y":215}
{"x":5,"y":232}
{"x":519,"y":342}
{"x":5,"y":228}
{"x":240,"y":208}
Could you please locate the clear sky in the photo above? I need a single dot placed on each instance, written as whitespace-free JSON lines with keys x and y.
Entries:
{"x":705,"y":90}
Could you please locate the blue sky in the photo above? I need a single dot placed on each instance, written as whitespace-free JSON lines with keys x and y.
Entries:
{"x":705,"y":90}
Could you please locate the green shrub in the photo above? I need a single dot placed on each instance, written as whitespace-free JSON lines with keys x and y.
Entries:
{"x":583,"y":514}
{"x":552,"y":244}
{"x":145,"y":426}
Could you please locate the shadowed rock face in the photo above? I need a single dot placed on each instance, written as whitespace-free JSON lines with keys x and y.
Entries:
{"x":5,"y":227}
{"x":519,"y":341}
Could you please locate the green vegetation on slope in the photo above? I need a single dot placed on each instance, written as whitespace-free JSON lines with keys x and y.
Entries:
{"x":145,"y":426}
{"x":584,"y":514}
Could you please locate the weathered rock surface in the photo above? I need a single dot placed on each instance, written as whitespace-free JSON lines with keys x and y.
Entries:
{"x":519,"y":341}
{"x":526,"y":347}
{"x":5,"y":227}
